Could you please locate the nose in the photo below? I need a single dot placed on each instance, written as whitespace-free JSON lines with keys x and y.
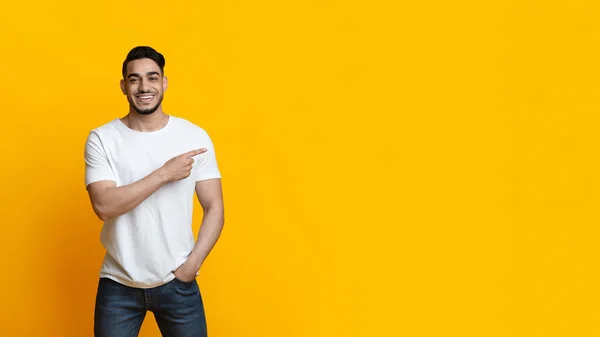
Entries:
{"x":143,"y":87}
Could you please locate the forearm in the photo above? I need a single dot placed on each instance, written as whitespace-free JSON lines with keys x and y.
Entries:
{"x":210,"y":230}
{"x":116,"y":201}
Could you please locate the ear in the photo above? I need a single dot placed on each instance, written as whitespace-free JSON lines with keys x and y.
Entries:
{"x":123,"y":89}
{"x":165,"y":83}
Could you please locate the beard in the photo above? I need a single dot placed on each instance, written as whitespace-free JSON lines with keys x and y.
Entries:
{"x":146,"y":111}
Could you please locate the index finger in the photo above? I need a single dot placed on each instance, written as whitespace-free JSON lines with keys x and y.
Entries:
{"x":194,"y":153}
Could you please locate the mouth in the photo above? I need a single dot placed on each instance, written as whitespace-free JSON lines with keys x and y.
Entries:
{"x":144,"y":98}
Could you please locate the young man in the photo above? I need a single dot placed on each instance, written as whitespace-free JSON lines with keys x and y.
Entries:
{"x":141,"y":174}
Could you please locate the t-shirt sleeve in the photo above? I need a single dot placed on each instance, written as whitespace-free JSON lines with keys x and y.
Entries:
{"x":97,"y":166}
{"x":206,"y":163}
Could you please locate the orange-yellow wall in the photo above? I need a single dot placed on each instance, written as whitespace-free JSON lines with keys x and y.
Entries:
{"x":394,"y":168}
{"x":279,"y":87}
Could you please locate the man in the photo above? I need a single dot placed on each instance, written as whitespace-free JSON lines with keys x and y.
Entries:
{"x":141,"y":174}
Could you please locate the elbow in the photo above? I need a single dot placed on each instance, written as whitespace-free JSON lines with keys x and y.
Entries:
{"x":102,"y":216}
{"x":218,"y":212}
{"x":101,"y":212}
{"x":222,"y":215}
{"x":100,"y":200}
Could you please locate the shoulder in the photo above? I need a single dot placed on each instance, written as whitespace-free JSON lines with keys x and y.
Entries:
{"x":105,"y":136}
{"x":104,"y":130}
{"x":187,"y":126}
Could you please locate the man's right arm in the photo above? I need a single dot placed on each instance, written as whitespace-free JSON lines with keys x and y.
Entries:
{"x":109,"y":201}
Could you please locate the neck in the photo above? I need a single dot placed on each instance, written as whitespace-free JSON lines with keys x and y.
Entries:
{"x":146,"y":123}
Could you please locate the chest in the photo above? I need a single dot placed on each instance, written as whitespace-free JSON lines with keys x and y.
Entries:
{"x":134,"y":159}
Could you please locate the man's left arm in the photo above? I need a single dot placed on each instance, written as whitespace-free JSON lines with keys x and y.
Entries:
{"x":210,"y":196}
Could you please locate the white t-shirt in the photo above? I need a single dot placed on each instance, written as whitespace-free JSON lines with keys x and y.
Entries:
{"x":145,"y":245}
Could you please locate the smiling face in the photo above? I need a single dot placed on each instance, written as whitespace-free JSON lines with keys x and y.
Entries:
{"x":144,"y":85}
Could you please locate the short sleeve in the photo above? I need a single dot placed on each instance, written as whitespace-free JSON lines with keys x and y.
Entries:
{"x":97,"y":166}
{"x":206,"y":163}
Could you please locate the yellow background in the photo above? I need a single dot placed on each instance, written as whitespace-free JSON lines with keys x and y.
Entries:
{"x":389,"y":168}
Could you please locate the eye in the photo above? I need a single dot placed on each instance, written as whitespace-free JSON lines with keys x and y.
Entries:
{"x":133,"y":80}
{"x":154,"y":78}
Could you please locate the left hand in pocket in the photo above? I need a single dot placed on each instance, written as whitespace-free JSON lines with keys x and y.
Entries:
{"x":186,"y":272}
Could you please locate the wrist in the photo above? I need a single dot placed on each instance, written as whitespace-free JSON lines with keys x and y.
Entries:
{"x":195,"y":261}
{"x":162,"y":176}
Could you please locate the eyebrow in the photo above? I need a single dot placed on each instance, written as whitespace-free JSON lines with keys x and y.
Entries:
{"x":150,"y":73}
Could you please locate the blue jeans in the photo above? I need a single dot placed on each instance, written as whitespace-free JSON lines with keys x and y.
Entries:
{"x":177,"y":307}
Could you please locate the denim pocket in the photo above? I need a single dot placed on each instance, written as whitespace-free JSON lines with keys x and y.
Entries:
{"x":185,"y":283}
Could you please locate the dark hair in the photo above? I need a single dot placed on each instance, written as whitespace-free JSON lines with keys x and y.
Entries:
{"x":142,"y":52}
